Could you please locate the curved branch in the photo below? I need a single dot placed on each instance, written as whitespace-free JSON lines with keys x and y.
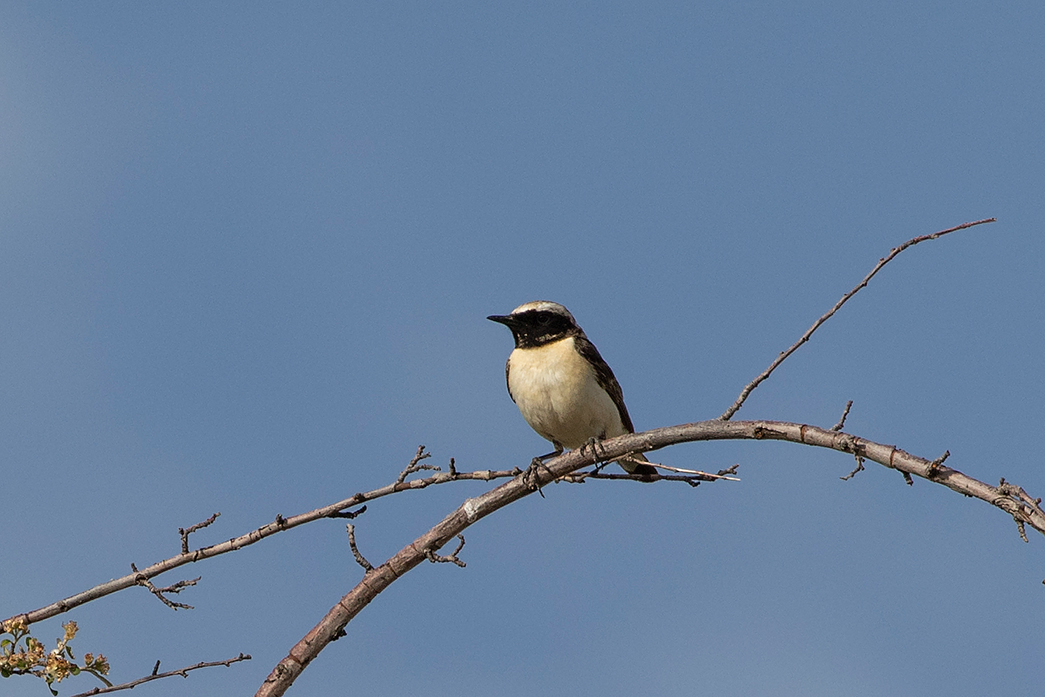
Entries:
{"x":1009,"y":498}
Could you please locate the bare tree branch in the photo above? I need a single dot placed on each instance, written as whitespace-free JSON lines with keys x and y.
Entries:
{"x":279,"y":525}
{"x":728,"y":414}
{"x":1009,"y":498}
{"x":183,"y":672}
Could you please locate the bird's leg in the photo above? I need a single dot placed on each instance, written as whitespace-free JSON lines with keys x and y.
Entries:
{"x":593,"y":444}
{"x":596,"y":444}
{"x":530,"y":475}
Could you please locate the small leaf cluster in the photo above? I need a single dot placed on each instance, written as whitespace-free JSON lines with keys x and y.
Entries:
{"x":23,"y":654}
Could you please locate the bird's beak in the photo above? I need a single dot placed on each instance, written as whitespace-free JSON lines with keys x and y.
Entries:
{"x":506,"y":320}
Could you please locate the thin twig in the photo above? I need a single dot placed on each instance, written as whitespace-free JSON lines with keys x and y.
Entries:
{"x":185,"y":532}
{"x":728,"y":414}
{"x":360,"y":559}
{"x":691,"y":477}
{"x":841,"y":422}
{"x":581,"y":477}
{"x":178,"y":587}
{"x":859,"y":467}
{"x":705,"y":476}
{"x":450,"y":558}
{"x":183,"y":672}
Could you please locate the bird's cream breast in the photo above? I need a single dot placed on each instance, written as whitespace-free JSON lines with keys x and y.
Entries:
{"x":559,"y":396}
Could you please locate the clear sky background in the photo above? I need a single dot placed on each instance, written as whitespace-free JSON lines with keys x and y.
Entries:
{"x":246,"y":255}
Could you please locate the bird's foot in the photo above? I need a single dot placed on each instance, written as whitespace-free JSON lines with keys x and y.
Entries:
{"x":530,"y":477}
{"x":595,"y":446}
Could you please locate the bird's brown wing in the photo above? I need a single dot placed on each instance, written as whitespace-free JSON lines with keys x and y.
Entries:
{"x":605,"y":378}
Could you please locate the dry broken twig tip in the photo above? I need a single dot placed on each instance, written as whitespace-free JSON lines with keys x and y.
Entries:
{"x":155,"y":675}
{"x":728,"y":414}
{"x":142,"y":580}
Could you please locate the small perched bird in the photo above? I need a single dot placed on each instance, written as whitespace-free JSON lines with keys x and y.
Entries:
{"x":563,"y":388}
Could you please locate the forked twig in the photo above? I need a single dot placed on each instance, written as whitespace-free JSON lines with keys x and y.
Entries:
{"x":143,"y":580}
{"x":415,"y":466}
{"x":728,"y":414}
{"x":185,"y":532}
{"x":449,"y":558}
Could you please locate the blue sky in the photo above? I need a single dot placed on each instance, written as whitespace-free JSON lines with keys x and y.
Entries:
{"x":246,"y":255}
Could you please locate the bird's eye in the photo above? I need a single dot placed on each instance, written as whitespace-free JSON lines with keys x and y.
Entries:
{"x":544,"y":319}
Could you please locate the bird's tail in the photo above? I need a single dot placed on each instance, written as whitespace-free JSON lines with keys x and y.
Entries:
{"x":637,"y":464}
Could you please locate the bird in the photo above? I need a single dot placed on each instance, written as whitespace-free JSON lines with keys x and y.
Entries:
{"x":562,"y":386}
